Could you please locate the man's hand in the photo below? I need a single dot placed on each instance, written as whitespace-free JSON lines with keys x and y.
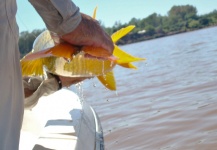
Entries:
{"x":89,"y":33}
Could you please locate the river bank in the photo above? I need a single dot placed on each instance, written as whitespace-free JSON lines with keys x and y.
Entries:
{"x":136,"y":37}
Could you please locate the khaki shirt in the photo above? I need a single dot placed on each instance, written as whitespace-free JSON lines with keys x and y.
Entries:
{"x":60,"y":17}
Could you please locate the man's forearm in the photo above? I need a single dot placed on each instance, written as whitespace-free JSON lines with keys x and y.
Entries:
{"x":60,"y":16}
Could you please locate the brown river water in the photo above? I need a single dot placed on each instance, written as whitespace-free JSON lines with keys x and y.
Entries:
{"x":169,"y":103}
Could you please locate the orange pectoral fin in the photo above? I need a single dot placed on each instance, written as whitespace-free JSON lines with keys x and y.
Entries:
{"x":36,"y":55}
{"x":64,"y":50}
{"x":61,"y":50}
{"x":96,"y":51}
{"x":113,"y":58}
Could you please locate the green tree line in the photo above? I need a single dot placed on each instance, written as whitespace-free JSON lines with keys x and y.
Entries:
{"x":26,"y":41}
{"x":179,"y":19}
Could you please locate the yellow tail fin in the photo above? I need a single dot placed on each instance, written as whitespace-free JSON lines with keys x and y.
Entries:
{"x":108,"y":80}
{"x":128,"y":65}
{"x":122,"y":32}
{"x":124,"y":57}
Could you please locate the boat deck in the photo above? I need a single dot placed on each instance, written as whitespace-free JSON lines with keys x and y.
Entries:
{"x":52,"y":123}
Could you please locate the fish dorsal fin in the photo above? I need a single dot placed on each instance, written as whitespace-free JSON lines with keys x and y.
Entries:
{"x":124,"y":57}
{"x":32,"y":67}
{"x":108,"y":80}
{"x":120,"y":33}
{"x":94,"y":12}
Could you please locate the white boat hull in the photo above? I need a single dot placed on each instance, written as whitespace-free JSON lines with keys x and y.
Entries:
{"x":61,"y":122}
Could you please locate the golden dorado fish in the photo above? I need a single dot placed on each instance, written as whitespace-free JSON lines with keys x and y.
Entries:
{"x":68,"y":60}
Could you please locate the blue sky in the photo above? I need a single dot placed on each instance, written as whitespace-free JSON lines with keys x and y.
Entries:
{"x":110,"y":11}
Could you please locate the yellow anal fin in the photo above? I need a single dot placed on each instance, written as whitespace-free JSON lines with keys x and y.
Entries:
{"x":32,"y":67}
{"x":94,"y":13}
{"x":124,"y":57}
{"x":108,"y":80}
{"x":128,"y":65}
{"x":120,"y":33}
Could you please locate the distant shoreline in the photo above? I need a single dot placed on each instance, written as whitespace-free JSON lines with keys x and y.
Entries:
{"x":165,"y":35}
